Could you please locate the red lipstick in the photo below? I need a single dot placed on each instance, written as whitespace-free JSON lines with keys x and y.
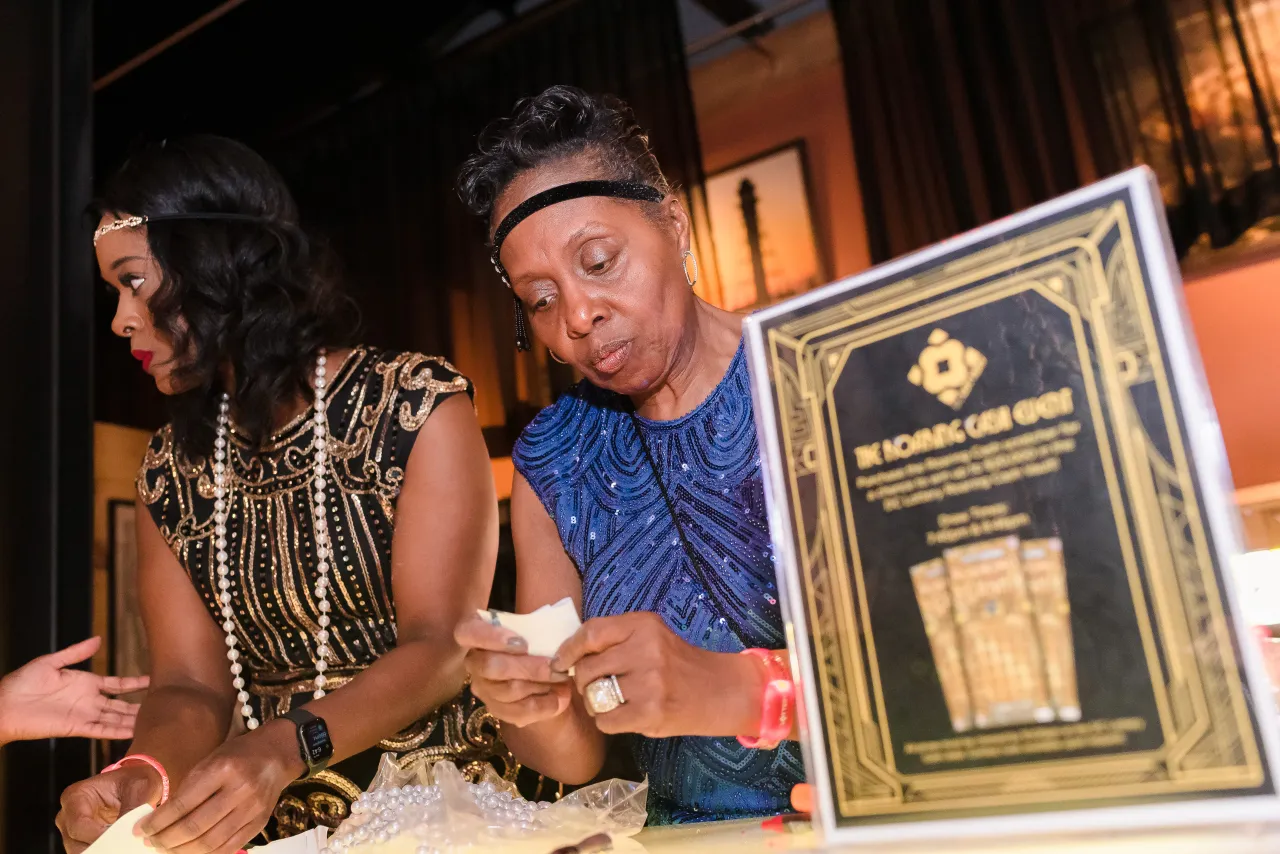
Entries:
{"x":145,"y":357}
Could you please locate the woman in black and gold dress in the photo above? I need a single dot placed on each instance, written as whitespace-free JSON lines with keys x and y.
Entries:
{"x":314,"y":522}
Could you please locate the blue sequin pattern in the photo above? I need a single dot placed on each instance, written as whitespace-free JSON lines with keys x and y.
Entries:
{"x":584,"y":460}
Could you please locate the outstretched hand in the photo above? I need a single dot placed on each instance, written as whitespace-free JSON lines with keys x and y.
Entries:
{"x":46,"y":698}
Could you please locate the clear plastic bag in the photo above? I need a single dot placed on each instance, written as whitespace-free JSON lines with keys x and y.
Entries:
{"x":433,"y":809}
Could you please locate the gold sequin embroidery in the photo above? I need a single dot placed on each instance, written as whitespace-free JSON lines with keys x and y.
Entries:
{"x":378,"y":402}
{"x":415,"y":377}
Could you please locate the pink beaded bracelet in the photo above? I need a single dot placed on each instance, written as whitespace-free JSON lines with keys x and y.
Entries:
{"x":146,"y":760}
{"x":777,"y":704}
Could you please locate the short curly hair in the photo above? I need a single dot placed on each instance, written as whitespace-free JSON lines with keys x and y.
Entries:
{"x":261,"y":296}
{"x":559,"y":123}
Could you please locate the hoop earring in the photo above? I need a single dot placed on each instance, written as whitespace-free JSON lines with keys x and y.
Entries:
{"x":684,"y":264}
{"x":555,"y":358}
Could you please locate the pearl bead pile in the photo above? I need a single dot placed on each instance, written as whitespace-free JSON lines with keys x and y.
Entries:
{"x":381,"y":815}
{"x":222,"y":500}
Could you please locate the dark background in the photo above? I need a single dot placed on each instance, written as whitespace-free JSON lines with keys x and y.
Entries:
{"x":368,"y":110}
{"x":353,"y":103}
{"x":46,"y":419}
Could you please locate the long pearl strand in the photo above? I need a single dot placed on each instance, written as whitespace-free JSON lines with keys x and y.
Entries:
{"x":222,"y":493}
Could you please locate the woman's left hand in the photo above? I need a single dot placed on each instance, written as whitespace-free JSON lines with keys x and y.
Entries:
{"x":670,"y":687}
{"x":229,"y":796}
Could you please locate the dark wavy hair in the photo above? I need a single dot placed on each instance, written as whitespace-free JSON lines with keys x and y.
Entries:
{"x":559,"y":123}
{"x":260,"y":297}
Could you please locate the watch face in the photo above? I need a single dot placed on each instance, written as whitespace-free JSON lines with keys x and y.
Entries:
{"x":314,"y":736}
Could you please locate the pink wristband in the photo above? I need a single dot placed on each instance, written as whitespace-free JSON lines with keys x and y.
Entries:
{"x":146,"y":760}
{"x":777,"y":704}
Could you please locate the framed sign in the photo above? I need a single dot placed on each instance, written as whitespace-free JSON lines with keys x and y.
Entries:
{"x":1003,"y":523}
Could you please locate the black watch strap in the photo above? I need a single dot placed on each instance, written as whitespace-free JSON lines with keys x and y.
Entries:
{"x":306,"y":723}
{"x":299,"y":715}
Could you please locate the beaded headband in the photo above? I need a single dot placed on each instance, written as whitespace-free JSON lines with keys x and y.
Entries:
{"x":628,"y":190}
{"x":135,"y":221}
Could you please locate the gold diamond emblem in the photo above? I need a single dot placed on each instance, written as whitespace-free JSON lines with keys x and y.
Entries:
{"x":947,"y":369}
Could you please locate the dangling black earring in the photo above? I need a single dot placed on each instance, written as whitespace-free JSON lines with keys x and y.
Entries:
{"x":522,"y":327}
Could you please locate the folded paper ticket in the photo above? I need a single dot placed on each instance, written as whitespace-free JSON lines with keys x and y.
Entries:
{"x":309,"y":842}
{"x":544,"y":629}
{"x":119,"y":839}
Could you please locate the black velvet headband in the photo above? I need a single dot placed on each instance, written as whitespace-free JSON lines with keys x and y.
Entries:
{"x":628,"y":190}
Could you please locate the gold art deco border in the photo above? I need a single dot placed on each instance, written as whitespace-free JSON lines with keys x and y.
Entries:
{"x":1088,"y":267}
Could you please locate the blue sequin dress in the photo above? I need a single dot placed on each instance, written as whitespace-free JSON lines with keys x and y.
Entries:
{"x":584,"y":460}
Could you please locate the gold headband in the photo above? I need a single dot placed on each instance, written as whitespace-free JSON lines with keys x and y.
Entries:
{"x":127,"y":222}
{"x":135,"y":221}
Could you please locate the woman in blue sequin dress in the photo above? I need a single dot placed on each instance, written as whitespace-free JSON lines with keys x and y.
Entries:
{"x":639,"y":493}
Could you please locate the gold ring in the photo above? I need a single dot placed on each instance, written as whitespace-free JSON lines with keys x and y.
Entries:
{"x":604,"y":695}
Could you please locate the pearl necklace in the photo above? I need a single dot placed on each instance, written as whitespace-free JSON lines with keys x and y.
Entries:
{"x":222,"y":494}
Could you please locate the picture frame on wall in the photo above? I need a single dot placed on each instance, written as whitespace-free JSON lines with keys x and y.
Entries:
{"x":763,"y":229}
{"x":127,"y":653}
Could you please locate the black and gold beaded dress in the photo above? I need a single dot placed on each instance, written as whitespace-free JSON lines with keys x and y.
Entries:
{"x":378,"y":402}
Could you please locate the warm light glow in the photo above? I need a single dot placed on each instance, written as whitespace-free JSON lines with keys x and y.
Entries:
{"x":504,"y":471}
{"x":1258,"y":581}
{"x":786,"y":230}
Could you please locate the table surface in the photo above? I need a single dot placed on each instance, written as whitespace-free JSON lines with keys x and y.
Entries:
{"x":748,"y":837}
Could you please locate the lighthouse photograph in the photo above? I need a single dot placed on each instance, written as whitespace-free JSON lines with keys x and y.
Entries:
{"x":763,"y":229}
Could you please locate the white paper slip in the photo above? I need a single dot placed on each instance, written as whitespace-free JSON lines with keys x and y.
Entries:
{"x":310,"y":842}
{"x":119,"y":838}
{"x":544,"y":629}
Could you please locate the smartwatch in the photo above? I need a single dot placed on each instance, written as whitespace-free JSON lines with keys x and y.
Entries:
{"x":314,"y":745}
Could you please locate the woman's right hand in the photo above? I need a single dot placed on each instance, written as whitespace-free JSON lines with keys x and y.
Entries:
{"x":517,"y":688}
{"x":91,"y":806}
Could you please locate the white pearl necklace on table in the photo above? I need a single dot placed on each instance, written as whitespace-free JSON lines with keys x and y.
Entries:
{"x":222,"y":494}
{"x":383,"y":814}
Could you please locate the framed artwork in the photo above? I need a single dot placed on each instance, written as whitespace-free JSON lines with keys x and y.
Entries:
{"x":127,"y":643}
{"x":762,"y":226}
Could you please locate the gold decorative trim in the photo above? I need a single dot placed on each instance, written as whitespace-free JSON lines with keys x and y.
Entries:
{"x":272,"y":542}
{"x":414,"y":376}
{"x":153,"y":460}
{"x":282,"y":693}
{"x":348,"y":789}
